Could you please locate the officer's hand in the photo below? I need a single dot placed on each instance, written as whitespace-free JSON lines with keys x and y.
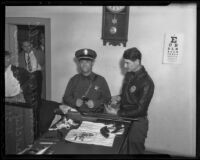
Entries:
{"x":79,"y":102}
{"x":90,"y":104}
{"x":115,"y":99}
{"x":64,"y":108}
{"x":111,"y":110}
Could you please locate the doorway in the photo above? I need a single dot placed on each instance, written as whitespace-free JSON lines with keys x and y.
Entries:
{"x":34,"y":34}
{"x":37,"y":30}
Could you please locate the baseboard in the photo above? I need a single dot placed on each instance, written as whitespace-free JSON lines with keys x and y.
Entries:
{"x":164,"y":152}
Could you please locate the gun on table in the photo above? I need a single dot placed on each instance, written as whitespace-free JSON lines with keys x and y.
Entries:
{"x":104,"y":116}
{"x":80,"y":115}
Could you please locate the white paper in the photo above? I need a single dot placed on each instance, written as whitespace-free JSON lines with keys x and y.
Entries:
{"x":55,"y":120}
{"x":173,"y":48}
{"x":89,"y":133}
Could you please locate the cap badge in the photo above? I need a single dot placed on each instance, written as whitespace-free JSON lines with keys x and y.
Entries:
{"x":85,"y":51}
{"x":132,"y":89}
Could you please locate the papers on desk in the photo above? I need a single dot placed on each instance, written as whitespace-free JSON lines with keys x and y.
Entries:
{"x":64,"y":123}
{"x":55,"y":120}
{"x":63,"y":108}
{"x":89,"y":133}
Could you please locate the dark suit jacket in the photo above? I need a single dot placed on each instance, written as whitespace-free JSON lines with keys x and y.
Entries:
{"x":28,"y":84}
{"x":38,"y":54}
{"x":20,"y":74}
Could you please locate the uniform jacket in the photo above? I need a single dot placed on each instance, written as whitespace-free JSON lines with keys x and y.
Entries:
{"x":79,"y":84}
{"x":137,"y":91}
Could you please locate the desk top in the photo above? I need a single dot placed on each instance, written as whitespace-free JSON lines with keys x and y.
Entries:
{"x":56,"y":144}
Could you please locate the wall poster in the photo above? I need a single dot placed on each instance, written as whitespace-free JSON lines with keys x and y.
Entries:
{"x":173,"y":45}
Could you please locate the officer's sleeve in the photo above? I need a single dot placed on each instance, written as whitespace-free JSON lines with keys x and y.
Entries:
{"x":105,"y":94}
{"x":142,"y":104}
{"x":68,"y":97}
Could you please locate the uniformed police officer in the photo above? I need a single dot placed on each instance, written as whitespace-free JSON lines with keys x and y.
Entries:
{"x":137,"y":92}
{"x":87,"y":91}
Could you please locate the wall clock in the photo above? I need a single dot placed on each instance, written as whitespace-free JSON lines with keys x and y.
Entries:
{"x":115,"y":25}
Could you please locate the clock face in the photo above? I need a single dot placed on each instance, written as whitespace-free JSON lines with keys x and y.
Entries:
{"x":115,"y":9}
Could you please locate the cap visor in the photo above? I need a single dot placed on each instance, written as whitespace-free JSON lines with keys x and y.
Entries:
{"x":85,"y":58}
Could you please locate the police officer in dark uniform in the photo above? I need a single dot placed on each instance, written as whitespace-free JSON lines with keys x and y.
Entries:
{"x":137,"y":92}
{"x":87,"y":91}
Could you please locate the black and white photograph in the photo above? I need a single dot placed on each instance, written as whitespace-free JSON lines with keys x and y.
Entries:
{"x":101,"y":80}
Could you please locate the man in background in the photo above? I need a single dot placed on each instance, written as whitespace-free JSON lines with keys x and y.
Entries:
{"x":33,"y":61}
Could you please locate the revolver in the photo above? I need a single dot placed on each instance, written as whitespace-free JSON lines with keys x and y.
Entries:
{"x":85,"y":99}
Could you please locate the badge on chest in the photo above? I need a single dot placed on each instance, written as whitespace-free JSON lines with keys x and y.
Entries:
{"x":132,"y":89}
{"x":96,"y":88}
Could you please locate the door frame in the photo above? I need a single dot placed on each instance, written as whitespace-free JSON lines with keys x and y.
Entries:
{"x":46,"y":23}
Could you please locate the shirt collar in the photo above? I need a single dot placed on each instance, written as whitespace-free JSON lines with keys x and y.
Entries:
{"x":31,"y":52}
{"x":89,"y":77}
{"x":139,"y":72}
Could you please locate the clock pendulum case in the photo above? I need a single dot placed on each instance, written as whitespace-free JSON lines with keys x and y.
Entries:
{"x":115,"y":25}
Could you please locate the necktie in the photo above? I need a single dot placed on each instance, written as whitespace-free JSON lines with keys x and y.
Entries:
{"x":29,"y":63}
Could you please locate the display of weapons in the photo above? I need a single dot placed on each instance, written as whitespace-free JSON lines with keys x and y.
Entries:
{"x":102,"y":116}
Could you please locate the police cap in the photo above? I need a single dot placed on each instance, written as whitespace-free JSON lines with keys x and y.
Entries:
{"x":87,"y":54}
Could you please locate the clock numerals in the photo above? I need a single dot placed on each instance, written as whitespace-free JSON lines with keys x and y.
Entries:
{"x":115,"y":9}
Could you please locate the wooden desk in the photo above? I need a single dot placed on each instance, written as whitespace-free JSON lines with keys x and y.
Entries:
{"x":64,"y":147}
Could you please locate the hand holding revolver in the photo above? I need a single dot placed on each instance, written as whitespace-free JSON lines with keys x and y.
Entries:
{"x":79,"y":102}
{"x":90,"y":103}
